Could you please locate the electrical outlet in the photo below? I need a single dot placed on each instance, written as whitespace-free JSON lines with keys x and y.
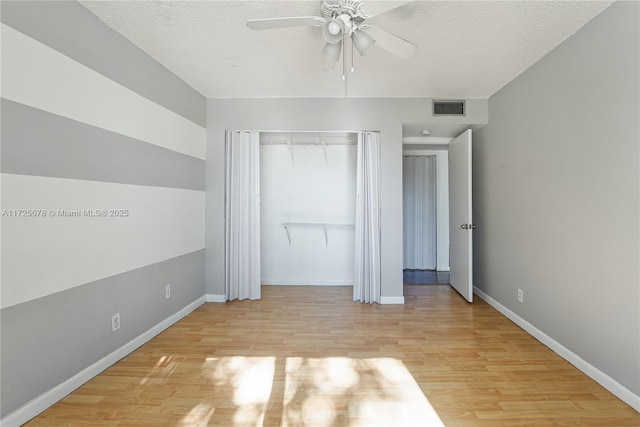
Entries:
{"x":520,"y":295}
{"x":115,"y":322}
{"x":167,"y":292}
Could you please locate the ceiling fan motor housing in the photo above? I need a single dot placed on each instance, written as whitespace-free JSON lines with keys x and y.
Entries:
{"x":347,"y":10}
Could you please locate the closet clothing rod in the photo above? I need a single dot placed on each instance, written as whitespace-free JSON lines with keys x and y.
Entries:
{"x":311,"y":131}
{"x":343,"y":142}
{"x":302,"y":131}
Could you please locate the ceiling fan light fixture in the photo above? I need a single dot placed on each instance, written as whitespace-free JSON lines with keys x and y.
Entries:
{"x":331,"y":51}
{"x":362,"y":41}
{"x":340,"y":19}
{"x":333,"y":30}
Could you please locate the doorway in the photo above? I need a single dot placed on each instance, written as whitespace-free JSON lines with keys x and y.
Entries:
{"x":419,"y":184}
{"x":457,"y":247}
{"x":425,"y":177}
{"x":419,"y":212}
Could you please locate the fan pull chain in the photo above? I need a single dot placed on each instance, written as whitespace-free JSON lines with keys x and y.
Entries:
{"x":352,"y":69}
{"x":344,"y":61}
{"x":344,"y":67}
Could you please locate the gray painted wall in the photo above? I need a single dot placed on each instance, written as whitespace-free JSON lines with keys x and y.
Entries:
{"x":384,"y":115}
{"x":556,"y":193}
{"x":47,"y":339}
{"x":36,"y":142}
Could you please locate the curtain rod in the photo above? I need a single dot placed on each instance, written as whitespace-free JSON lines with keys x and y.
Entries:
{"x":348,"y":142}
{"x":310,"y":131}
{"x":300,"y":131}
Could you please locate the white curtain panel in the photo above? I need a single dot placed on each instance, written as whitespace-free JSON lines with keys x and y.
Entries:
{"x":419,"y":212}
{"x":366,"y":284}
{"x":242,"y":215}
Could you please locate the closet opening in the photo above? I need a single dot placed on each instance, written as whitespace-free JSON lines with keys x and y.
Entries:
{"x":307,"y":208}
{"x":302,"y":208}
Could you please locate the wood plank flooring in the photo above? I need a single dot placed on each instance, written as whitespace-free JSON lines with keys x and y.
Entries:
{"x":309,"y":356}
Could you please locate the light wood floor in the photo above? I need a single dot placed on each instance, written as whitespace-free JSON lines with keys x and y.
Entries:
{"x":309,"y":356}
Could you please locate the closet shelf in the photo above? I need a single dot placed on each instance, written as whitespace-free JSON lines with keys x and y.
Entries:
{"x":324,"y":225}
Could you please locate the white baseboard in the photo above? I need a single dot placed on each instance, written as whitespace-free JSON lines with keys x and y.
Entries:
{"x":269,"y":282}
{"x":215,"y":298}
{"x":391,"y":300}
{"x":594,"y":373}
{"x":50,"y":397}
{"x":443,"y":268}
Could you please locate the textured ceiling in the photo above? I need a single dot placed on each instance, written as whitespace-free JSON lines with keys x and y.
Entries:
{"x":465,"y":49}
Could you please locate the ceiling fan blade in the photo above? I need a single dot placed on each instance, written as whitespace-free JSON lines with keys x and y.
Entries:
{"x":273,"y":23}
{"x":392,"y":43}
{"x":375,"y":8}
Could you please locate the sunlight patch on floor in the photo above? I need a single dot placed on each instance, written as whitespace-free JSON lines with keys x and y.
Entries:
{"x":163,"y":368}
{"x":243,"y":385}
{"x":354,"y":392}
{"x":320,"y":392}
{"x":199,"y":416}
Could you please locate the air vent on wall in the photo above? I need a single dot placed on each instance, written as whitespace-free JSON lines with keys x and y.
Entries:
{"x":448,"y":108}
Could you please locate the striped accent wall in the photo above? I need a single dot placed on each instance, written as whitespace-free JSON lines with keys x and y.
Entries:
{"x":102,"y":180}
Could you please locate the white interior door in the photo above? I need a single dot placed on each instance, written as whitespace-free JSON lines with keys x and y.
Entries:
{"x":460,"y":214}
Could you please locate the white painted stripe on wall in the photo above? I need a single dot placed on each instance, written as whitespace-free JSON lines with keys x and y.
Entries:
{"x":45,"y":255}
{"x":36,"y":75}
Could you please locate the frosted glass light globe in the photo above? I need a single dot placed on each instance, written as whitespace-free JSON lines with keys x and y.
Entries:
{"x":334,"y":28}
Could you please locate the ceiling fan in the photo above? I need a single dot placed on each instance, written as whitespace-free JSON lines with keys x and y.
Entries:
{"x":342,"y":20}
